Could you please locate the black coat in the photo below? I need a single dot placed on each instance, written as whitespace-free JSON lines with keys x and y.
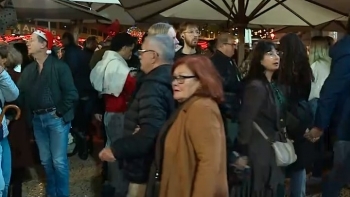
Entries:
{"x":260,"y":106}
{"x":232,"y":85}
{"x":151,"y":106}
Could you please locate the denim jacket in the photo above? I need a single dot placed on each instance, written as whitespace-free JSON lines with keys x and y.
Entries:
{"x":8,"y":93}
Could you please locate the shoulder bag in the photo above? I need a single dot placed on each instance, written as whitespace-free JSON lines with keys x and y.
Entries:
{"x":284,"y":151}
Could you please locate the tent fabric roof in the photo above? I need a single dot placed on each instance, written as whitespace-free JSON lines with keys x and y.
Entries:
{"x":54,"y":10}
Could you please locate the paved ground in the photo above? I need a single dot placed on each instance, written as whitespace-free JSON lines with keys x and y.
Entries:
{"x":84,"y":179}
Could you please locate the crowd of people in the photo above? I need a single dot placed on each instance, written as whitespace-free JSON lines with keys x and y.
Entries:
{"x":177,"y":122}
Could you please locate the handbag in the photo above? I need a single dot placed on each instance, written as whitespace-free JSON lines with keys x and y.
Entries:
{"x":284,"y":151}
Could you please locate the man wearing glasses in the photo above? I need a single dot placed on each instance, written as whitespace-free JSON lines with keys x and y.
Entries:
{"x":189,"y":33}
{"x":151,"y":106}
{"x":227,"y":68}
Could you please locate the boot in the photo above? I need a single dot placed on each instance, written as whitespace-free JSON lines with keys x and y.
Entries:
{"x":16,"y":190}
{"x":82,"y":145}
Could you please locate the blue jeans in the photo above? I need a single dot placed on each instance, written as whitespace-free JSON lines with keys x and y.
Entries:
{"x":5,"y":170}
{"x":340,"y":173}
{"x":298,"y":183}
{"x":51,"y":135}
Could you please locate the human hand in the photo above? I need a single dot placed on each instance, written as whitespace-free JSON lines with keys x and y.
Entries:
{"x":136,"y":129}
{"x":314,"y":134}
{"x":241,"y":163}
{"x":106,"y":155}
{"x":98,"y":117}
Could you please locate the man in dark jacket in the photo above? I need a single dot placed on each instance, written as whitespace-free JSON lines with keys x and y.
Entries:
{"x":151,"y":107}
{"x":48,"y":93}
{"x":334,"y":110}
{"x":225,"y":48}
{"x":87,"y":98}
{"x":72,"y":53}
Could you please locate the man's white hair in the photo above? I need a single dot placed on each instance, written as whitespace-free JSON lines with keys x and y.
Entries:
{"x":165,"y":45}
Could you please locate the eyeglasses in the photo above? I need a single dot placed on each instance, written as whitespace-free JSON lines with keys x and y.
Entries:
{"x":274,"y":54}
{"x":231,"y":44}
{"x":193,"y":32}
{"x":181,"y":79}
{"x":142,"y":51}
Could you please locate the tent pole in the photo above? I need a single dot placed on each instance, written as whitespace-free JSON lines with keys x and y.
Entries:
{"x":242,"y":25}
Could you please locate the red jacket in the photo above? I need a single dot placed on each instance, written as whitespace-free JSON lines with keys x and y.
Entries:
{"x":119,"y":104}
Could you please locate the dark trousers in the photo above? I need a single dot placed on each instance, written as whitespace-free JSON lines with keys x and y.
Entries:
{"x":81,"y":123}
{"x":340,"y":173}
{"x":17,"y":179}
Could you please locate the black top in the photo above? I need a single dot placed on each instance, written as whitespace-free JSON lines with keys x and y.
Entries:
{"x":41,"y":96}
{"x":232,"y":85}
{"x":179,"y":54}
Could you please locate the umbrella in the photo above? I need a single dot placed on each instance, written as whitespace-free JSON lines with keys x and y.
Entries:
{"x":339,"y":6}
{"x":51,"y":10}
{"x":338,"y":25}
{"x":241,"y":12}
{"x":110,"y":9}
{"x":261,"y":12}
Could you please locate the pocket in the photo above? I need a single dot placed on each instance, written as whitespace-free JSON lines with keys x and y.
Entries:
{"x":54,"y":115}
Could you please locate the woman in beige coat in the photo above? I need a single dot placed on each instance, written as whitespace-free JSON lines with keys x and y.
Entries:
{"x":192,"y":146}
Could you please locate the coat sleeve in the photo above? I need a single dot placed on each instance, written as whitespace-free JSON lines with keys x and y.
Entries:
{"x":253,"y":96}
{"x":69,"y":92}
{"x":203,"y":127}
{"x":336,"y":83}
{"x":153,"y":112}
{"x":8,"y":87}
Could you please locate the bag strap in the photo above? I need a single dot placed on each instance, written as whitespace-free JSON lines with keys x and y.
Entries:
{"x":261,"y":131}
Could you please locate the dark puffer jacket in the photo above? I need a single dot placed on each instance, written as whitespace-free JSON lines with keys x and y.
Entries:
{"x":150,"y":108}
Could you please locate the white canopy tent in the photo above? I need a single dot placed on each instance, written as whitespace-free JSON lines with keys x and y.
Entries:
{"x":338,"y":25}
{"x":53,"y":10}
{"x":290,"y":12}
{"x":100,"y":1}
{"x":240,"y":12}
{"x":110,"y":9}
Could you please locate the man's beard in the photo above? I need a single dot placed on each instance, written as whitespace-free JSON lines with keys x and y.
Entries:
{"x":190,"y":43}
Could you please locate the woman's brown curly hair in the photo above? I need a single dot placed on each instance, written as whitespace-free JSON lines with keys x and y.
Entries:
{"x":13,"y":57}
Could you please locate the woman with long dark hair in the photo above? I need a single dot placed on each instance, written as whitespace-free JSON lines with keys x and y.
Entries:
{"x":296,"y":76}
{"x":264,"y":104}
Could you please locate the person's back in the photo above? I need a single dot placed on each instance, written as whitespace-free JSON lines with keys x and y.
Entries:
{"x":334,"y":110}
{"x":340,"y":54}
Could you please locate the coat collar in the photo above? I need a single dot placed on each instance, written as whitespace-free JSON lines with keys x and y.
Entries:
{"x":189,"y":102}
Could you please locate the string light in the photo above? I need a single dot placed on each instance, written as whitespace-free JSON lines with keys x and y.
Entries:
{"x":136,"y":32}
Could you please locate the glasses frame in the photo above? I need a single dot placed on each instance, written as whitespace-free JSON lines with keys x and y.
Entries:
{"x":181,"y":78}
